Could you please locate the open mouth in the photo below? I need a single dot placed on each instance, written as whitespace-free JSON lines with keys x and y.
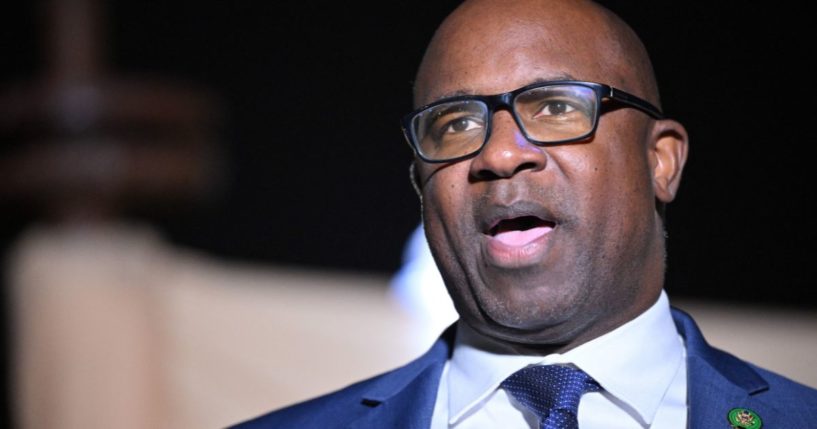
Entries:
{"x":520,"y":231}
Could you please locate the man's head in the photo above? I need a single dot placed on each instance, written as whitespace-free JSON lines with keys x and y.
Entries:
{"x":548,"y":245}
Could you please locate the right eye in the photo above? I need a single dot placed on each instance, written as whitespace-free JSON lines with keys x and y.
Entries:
{"x":456,"y":124}
{"x":459,"y":125}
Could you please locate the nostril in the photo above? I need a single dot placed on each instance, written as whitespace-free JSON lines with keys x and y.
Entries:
{"x":527,"y":166}
{"x":491,"y":172}
{"x":485,"y":174}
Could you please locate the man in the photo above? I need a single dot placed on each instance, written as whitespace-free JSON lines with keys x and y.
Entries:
{"x":543,"y":166}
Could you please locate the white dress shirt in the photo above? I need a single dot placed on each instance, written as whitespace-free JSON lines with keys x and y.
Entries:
{"x":640,"y":367}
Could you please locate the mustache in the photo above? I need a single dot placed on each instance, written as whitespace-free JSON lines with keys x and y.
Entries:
{"x":517,"y":200}
{"x":507,"y":193}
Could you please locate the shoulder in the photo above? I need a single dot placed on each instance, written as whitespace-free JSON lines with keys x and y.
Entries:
{"x":784,"y":402}
{"x":752,"y":377}
{"x":789,"y":393}
{"x":719,"y":382}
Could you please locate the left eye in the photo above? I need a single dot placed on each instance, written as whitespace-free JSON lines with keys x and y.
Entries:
{"x":556,"y":108}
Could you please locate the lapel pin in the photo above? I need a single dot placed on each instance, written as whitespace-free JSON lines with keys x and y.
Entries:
{"x":744,"y":418}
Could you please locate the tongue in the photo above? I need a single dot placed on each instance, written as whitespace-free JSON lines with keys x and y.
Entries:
{"x":521,"y":238}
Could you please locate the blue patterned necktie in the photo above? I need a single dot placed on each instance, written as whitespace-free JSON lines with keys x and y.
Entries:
{"x":552,"y":392}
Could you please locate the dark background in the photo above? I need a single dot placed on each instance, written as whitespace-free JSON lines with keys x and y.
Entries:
{"x":317,"y":167}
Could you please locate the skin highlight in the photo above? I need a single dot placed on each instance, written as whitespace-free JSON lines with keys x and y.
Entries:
{"x":603,"y":262}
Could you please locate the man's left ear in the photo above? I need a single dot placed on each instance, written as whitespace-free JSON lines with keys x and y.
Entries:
{"x":414,"y":177}
{"x":669,"y":145}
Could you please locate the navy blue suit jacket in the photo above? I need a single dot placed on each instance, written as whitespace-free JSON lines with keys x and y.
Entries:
{"x":404,"y":397}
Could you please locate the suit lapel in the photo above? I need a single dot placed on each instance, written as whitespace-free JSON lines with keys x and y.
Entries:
{"x":717,"y":382}
{"x":405,"y":397}
{"x":409,"y":408}
{"x":711,"y":396}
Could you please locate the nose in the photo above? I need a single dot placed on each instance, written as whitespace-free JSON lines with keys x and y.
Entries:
{"x":507,"y":151}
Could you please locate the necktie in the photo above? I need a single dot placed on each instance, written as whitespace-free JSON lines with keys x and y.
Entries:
{"x":552,"y":392}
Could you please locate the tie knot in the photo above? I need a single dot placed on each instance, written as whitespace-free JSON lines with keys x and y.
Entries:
{"x":547,"y":388}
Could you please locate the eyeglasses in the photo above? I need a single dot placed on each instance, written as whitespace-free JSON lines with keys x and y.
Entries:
{"x":550,"y":112}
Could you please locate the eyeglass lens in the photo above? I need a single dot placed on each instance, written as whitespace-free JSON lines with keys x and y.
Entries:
{"x":547,"y":114}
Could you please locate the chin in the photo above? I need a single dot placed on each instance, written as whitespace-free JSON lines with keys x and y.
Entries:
{"x":543,"y":315}
{"x":530,"y":305}
{"x":529,"y":324}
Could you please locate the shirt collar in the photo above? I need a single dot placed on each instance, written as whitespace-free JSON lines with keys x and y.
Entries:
{"x":645,"y":348}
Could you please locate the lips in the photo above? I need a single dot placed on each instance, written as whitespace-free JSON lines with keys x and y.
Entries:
{"x":516,"y":235}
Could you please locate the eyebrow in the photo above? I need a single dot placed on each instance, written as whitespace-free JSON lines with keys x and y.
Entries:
{"x":541,"y":79}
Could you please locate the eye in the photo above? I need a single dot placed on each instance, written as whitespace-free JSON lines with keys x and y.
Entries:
{"x":454,"y":121}
{"x":555,"y":108}
{"x":460,"y":125}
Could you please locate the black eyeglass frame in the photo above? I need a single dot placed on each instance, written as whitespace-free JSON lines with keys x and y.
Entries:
{"x":505,"y":101}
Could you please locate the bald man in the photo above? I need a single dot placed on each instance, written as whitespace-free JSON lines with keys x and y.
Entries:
{"x":543,"y":164}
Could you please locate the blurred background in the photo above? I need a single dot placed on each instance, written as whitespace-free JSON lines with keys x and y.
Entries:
{"x":201,"y":200}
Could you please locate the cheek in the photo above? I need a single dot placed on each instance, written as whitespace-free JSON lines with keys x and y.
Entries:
{"x":587,"y":181}
{"x":443,"y":196}
{"x":631,"y":183}
{"x":446,"y":210}
{"x":610,"y":174}
{"x":627,"y":154}
{"x":617,"y":200}
{"x":443,"y":209}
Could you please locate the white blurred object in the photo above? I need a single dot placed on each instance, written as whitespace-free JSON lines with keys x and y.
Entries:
{"x":420,"y":289}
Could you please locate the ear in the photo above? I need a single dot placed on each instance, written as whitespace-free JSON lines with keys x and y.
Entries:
{"x":415,"y":180}
{"x":669,"y":145}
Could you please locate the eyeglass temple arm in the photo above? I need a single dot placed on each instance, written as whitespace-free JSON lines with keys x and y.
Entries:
{"x":633,"y":101}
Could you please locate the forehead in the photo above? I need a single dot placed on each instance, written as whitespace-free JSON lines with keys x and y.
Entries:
{"x":488,"y":53}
